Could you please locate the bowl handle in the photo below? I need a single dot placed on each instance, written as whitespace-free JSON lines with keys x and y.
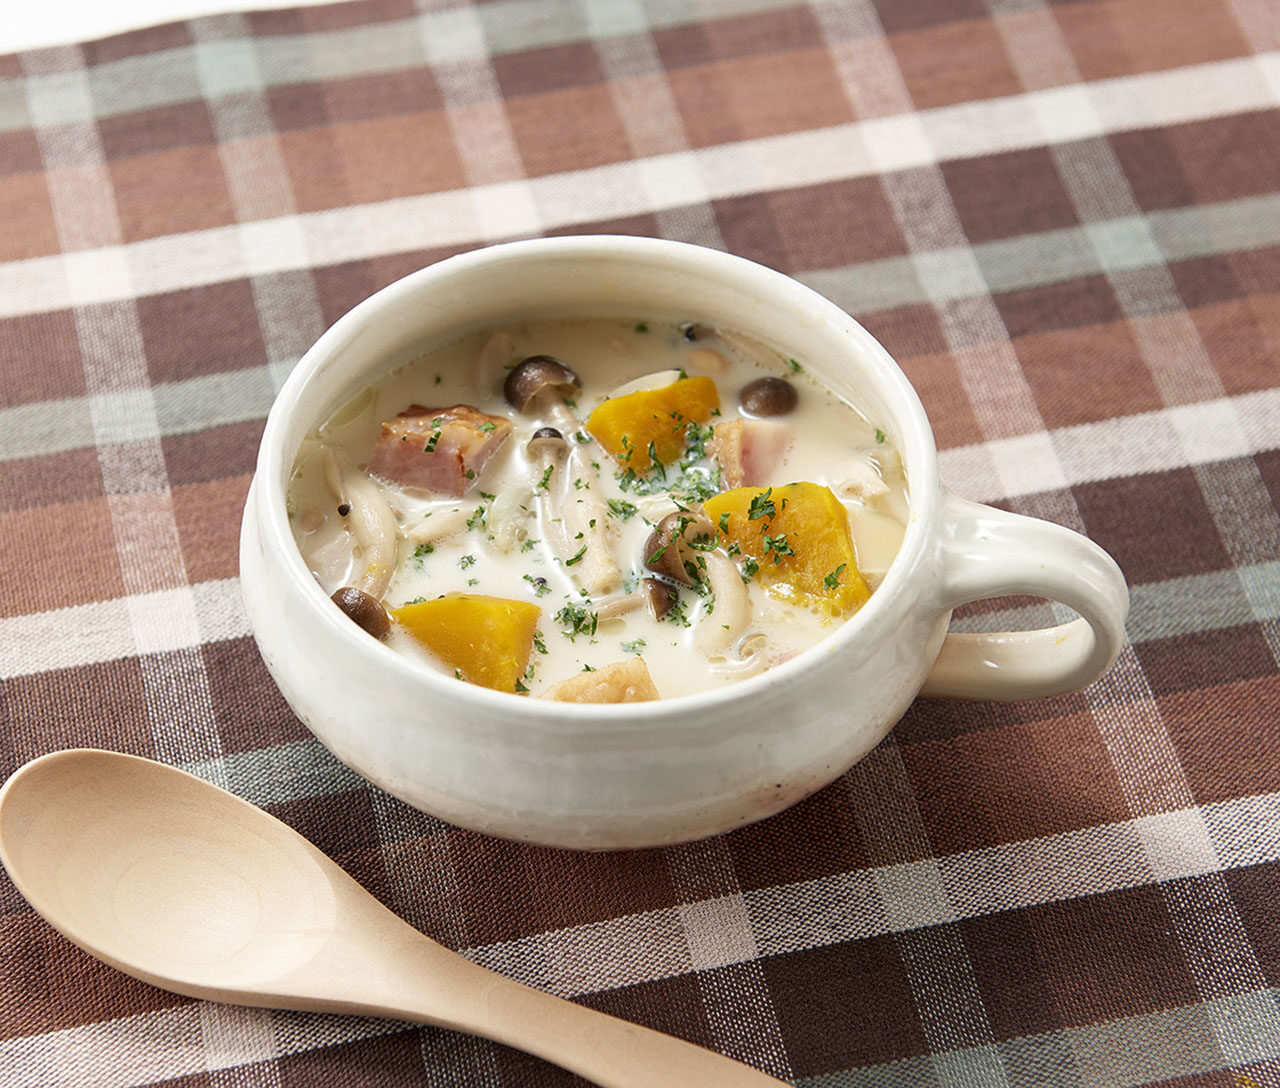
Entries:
{"x":991,"y":553}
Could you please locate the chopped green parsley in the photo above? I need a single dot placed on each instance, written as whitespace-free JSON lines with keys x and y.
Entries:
{"x":778,"y":546}
{"x":678,"y":614}
{"x":578,"y":621}
{"x":762,"y":506}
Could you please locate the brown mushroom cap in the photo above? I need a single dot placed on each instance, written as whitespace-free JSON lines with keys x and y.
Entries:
{"x":366,"y":611}
{"x":661,"y":596}
{"x":666,"y":550}
{"x":768,"y":397}
{"x":545,"y":438}
{"x":662,"y":554}
{"x":535,"y":375}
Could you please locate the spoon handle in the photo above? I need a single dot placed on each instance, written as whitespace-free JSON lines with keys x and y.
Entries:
{"x":386,"y":968}
{"x":610,"y":1052}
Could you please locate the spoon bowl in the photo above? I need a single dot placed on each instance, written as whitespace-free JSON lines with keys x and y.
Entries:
{"x":183,"y":887}
{"x":186,"y":886}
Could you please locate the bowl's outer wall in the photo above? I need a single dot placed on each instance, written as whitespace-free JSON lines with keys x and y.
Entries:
{"x":692,"y":773}
{"x":591,"y":777}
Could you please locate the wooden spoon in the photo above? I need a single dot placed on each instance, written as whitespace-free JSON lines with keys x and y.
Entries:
{"x":185,"y":886}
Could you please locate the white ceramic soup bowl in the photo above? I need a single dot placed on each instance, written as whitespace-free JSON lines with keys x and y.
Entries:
{"x":645,"y":774}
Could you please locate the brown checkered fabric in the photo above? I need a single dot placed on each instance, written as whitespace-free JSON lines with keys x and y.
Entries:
{"x":1062,"y":217}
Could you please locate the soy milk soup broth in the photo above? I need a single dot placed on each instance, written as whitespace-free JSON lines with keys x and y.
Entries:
{"x":499,"y":538}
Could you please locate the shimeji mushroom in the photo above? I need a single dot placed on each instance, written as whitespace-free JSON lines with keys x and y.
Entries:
{"x":370,"y":520}
{"x":550,"y":454}
{"x":681,"y":550}
{"x":365,"y":610}
{"x":437,"y":523}
{"x":661,"y":596}
{"x":619,"y":604}
{"x":548,"y":451}
{"x":567,"y":483}
{"x":539,"y":377}
{"x":768,"y":397}
{"x":668,"y":552}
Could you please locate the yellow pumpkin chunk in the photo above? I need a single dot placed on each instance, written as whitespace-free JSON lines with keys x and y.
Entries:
{"x":635,"y":426}
{"x":798,"y":536}
{"x":487,"y":640}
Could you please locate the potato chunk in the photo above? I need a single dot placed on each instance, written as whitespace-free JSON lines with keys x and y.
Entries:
{"x":622,"y":682}
{"x":798,"y":537}
{"x":486,"y":640}
{"x":635,"y":426}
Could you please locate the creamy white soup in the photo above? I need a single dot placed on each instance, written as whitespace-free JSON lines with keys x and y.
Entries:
{"x":599,"y":511}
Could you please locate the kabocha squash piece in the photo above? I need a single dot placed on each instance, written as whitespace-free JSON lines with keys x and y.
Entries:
{"x":626,"y":426}
{"x":486,"y":639}
{"x":798,"y":537}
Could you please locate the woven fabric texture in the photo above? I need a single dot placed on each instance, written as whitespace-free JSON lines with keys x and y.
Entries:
{"x":1062,"y":218}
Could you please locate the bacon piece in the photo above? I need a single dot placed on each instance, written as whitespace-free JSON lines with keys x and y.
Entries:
{"x":443,"y":450}
{"x":749,"y":450}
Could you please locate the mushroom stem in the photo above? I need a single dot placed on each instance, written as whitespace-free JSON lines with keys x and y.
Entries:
{"x":371,"y":522}
{"x":716,"y":631}
{"x":549,"y":453}
{"x":444,"y":521}
{"x":621,"y":605}
{"x":579,"y":502}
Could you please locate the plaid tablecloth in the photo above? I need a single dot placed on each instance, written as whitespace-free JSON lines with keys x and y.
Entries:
{"x":1063,"y":218}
